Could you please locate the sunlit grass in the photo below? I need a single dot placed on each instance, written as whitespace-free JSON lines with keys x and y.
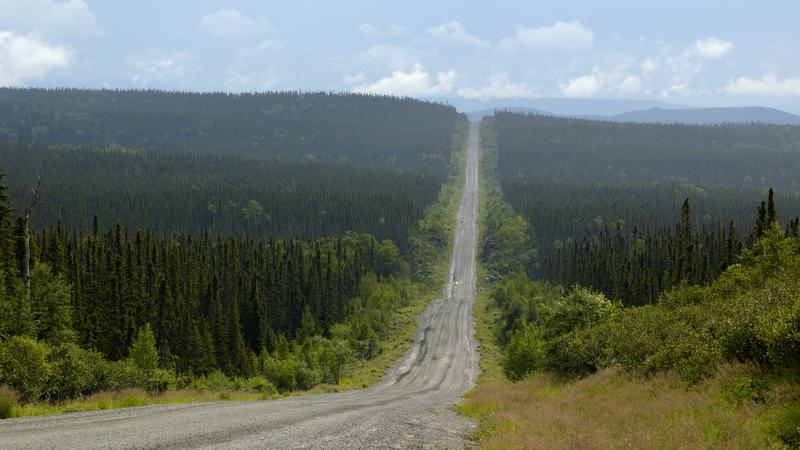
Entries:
{"x":131,"y":398}
{"x":614,"y":410}
{"x":740,"y":407}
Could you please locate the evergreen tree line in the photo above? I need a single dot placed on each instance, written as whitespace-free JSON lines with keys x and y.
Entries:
{"x":636,"y":267}
{"x":228,"y":195}
{"x":565,"y":211}
{"x":607,"y":223}
{"x":741,"y":156}
{"x":358,"y":129}
{"x":211,"y":301}
{"x":102,"y":306}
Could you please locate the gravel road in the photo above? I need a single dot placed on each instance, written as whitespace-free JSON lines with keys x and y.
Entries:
{"x":411,"y":408}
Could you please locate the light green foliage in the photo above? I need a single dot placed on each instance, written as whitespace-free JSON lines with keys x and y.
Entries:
{"x":50,"y":301}
{"x":120,"y":375}
{"x":509,"y":242}
{"x":787,"y":427}
{"x":577,"y":309}
{"x":388,"y":254}
{"x":254,"y":213}
{"x":521,"y":303}
{"x":144,"y":356}
{"x":524,"y":353}
{"x":24,"y":367}
{"x":76,"y":371}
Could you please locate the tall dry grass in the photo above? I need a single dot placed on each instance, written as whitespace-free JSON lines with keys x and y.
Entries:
{"x":611,"y":410}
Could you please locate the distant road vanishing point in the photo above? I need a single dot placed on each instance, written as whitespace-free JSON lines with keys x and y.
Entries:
{"x":409,"y":409}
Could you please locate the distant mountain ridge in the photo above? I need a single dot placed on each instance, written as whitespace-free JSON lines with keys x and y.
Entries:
{"x":696,"y":116}
{"x":710,"y":116}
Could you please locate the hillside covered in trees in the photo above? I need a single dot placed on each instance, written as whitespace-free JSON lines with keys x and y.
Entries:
{"x":226,"y":194}
{"x":358,"y":129}
{"x":156,"y":262}
{"x":604,"y":199}
{"x":289,"y":165}
{"x":654,"y":298}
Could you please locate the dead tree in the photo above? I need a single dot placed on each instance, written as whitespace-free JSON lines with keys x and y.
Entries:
{"x":26,"y":267}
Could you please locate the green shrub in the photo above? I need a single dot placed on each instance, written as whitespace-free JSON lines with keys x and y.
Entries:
{"x":745,"y":388}
{"x":691,"y":353}
{"x":214,"y":381}
{"x":260,"y":385}
{"x":307,"y":377}
{"x":8,"y":402}
{"x":523,"y":354}
{"x":121,"y":375}
{"x":580,"y":308}
{"x":24,"y":367}
{"x":577,"y":353}
{"x":281,"y":372}
{"x":75,"y":371}
{"x":787,"y":427}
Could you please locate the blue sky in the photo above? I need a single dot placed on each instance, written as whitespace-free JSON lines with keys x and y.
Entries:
{"x":690,"y":52}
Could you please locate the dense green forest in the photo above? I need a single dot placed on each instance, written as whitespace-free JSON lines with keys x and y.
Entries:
{"x":739,"y":156}
{"x":229,"y":195}
{"x":163,"y":264}
{"x":358,"y":129}
{"x":294,"y":312}
{"x":644,"y":207}
{"x":282,"y":165}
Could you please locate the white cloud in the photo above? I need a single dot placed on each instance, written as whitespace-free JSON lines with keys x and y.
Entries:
{"x":767,"y":85}
{"x":613,"y":82}
{"x":358,"y":78}
{"x":583,"y":86}
{"x":230,"y":23}
{"x":712,"y":47}
{"x":372,"y":31}
{"x":454,"y":32}
{"x":649,"y":66}
{"x":681,"y":90}
{"x":630,"y":85}
{"x":499,"y":85}
{"x":389,"y":57}
{"x":264,"y":47}
{"x":250,"y":81}
{"x":24,"y":58}
{"x":572,"y":36}
{"x":416,"y":82}
{"x":681,"y":70}
{"x":159,"y":67}
{"x":48,"y":17}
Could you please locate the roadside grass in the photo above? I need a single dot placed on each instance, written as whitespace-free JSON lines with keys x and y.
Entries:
{"x":133,"y":397}
{"x":614,"y":410}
